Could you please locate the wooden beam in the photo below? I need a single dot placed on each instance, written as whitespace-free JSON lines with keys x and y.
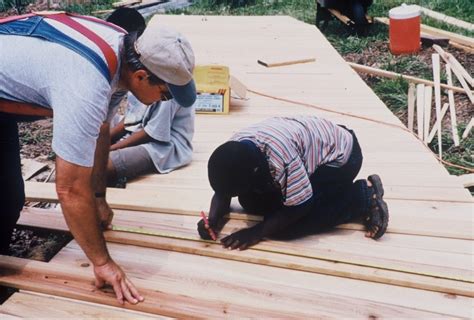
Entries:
{"x":452,"y":107}
{"x":411,"y":105}
{"x":447,"y":19}
{"x":394,"y":75}
{"x":457,"y":72}
{"x":436,"y":78}
{"x":420,"y":109}
{"x":53,"y":278}
{"x":32,"y":305}
{"x":281,"y":255}
{"x":428,"y":98}
{"x":449,"y":58}
{"x":270,"y":64}
{"x":436,"y":126}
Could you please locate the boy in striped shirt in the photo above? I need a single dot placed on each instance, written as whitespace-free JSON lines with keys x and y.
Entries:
{"x":299,"y":174}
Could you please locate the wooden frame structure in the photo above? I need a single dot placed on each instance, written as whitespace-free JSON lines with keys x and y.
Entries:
{"x":421,"y":268}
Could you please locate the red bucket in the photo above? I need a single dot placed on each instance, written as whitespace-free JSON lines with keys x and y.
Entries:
{"x":404,"y":30}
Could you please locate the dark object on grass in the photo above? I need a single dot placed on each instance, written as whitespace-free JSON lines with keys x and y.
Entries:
{"x":354,"y":10}
{"x":428,"y":41}
{"x":129,"y":19}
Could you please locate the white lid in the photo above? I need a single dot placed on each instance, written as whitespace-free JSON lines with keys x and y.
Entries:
{"x":404,"y":12}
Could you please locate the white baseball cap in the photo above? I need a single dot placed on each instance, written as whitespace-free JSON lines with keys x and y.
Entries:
{"x":168,"y":55}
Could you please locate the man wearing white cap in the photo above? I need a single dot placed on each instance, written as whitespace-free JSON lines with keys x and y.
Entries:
{"x":79,"y":68}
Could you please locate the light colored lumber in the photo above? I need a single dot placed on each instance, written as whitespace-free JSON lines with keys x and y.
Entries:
{"x":270,"y":63}
{"x":436,"y":78}
{"x":77,"y":283}
{"x":447,"y":19}
{"x":463,"y":40}
{"x":468,"y":128}
{"x":435,"y":128}
{"x":125,"y":3}
{"x":351,"y":250}
{"x":420,"y":109}
{"x":459,"y":75}
{"x":452,"y":107}
{"x":340,"y":16}
{"x":31,"y":167}
{"x":456,"y":65}
{"x":33,"y":305}
{"x":394,"y":75}
{"x":411,"y":105}
{"x":467,"y":180}
{"x":428,"y":98}
{"x":257,"y":285}
{"x":462,"y":47}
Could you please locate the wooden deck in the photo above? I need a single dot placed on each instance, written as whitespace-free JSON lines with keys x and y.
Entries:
{"x":423,"y":266}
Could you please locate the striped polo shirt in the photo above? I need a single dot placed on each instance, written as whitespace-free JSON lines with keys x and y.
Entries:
{"x":295,"y":147}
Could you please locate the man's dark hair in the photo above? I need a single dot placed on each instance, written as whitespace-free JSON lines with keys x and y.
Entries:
{"x":132,"y":58}
{"x":129,"y":19}
{"x":231,"y":168}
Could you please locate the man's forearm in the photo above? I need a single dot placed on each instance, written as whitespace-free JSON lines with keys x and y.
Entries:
{"x":74,"y":188}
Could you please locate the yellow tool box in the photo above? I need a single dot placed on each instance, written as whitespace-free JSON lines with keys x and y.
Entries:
{"x":213,"y":89}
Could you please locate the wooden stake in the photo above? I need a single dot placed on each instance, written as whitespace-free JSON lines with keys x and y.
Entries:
{"x":420,"y":101}
{"x":458,"y":73}
{"x":436,"y":78}
{"x":411,"y":106}
{"x":427,"y":111}
{"x":268,"y":64}
{"x":393,"y":75}
{"x":436,"y":125}
{"x":449,"y":58}
{"x":468,"y":128}
{"x":452,"y":107}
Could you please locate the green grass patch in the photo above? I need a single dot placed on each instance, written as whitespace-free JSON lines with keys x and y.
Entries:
{"x":460,"y":155}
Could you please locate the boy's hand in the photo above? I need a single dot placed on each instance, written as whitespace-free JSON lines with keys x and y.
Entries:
{"x":242,"y":239}
{"x":203,"y":230}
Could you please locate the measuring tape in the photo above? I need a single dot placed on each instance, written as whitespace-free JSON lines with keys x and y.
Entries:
{"x":338,"y":260}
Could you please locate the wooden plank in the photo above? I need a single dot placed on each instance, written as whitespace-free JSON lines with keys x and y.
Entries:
{"x":436,"y":125}
{"x":270,"y":63}
{"x":249,"y":282}
{"x":467,"y":180}
{"x":442,"y":258}
{"x":420,"y":109}
{"x":447,"y":19}
{"x":436,"y":77}
{"x":411,"y":105}
{"x":427,"y":111}
{"x":458,"y":73}
{"x":190,"y":286}
{"x":452,"y":107}
{"x":394,"y":75}
{"x":31,"y":167}
{"x":30,"y":305}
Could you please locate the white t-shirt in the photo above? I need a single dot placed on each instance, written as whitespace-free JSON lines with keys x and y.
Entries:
{"x":48,"y":74}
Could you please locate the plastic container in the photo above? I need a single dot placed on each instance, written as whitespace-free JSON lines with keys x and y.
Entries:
{"x":404,"y":30}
